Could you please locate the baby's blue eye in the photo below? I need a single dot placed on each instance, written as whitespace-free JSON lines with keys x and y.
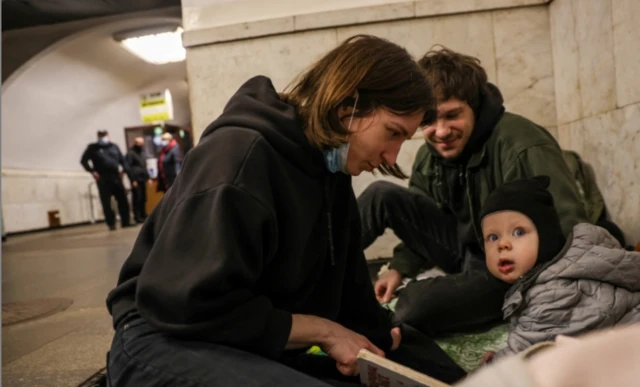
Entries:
{"x":518,"y":232}
{"x":492,"y":238}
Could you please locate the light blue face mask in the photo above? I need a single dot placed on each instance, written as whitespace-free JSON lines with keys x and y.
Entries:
{"x":336,"y":158}
{"x":103,"y":140}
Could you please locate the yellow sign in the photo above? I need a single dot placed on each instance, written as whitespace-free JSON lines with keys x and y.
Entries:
{"x":156,"y":107}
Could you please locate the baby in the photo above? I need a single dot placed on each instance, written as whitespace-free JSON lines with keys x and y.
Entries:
{"x":561,"y":286}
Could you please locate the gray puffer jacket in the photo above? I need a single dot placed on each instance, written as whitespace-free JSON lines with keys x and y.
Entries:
{"x":592,"y":284}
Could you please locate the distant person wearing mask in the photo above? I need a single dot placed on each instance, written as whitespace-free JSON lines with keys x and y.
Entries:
{"x":139,"y":177}
{"x":169,"y":162}
{"x":105,"y":158}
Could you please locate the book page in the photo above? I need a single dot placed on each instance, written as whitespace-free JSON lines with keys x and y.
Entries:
{"x":376,"y":371}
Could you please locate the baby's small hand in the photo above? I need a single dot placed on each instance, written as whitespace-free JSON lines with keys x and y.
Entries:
{"x":487,"y":358}
{"x":396,"y":336}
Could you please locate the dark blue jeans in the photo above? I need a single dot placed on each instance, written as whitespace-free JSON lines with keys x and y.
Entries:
{"x":142,"y":356}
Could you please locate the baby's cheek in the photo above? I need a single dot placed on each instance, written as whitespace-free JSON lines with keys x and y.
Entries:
{"x":490,"y":255}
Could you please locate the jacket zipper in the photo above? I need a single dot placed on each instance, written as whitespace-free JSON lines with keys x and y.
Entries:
{"x":441,"y":201}
{"x":472,"y":213}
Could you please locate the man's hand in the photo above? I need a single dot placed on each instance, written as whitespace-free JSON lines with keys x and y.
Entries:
{"x":387,"y":285}
{"x":396,"y":336}
{"x":96,"y":175}
{"x":134,"y":184}
{"x":343,"y":346}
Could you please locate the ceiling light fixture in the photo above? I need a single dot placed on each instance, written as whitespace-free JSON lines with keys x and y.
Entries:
{"x":158,"y":45}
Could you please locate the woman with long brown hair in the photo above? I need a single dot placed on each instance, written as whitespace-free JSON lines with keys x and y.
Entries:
{"x":254,"y":254}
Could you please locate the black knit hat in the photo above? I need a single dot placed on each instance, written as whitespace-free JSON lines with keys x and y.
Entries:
{"x":531,"y":198}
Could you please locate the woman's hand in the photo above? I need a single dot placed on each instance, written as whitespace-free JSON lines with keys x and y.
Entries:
{"x":343,"y":345}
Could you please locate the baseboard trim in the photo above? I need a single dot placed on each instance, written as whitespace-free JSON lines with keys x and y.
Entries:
{"x":61,"y":227}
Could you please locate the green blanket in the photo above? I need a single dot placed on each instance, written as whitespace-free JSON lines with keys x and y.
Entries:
{"x":468,"y":349}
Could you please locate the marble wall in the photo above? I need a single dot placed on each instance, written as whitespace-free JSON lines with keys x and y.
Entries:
{"x":28,"y":195}
{"x":567,"y":64}
{"x":596,"y":56}
{"x":258,"y":18}
{"x":514,"y":46}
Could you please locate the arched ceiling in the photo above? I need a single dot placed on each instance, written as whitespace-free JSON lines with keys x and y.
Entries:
{"x":95,"y":48}
{"x":30,"y":13}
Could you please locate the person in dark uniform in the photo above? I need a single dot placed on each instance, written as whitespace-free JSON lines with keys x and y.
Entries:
{"x":105,"y":159}
{"x":139,"y":177}
{"x":169,"y":162}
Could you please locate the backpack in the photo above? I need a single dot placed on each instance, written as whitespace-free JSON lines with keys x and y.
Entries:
{"x":586,"y":180}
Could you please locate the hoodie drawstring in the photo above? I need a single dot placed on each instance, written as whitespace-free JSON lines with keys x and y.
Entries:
{"x":327,"y":198}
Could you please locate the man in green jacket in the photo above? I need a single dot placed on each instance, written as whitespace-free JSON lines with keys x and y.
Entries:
{"x":473,"y":147}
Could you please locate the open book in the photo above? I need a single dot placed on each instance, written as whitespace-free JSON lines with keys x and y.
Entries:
{"x":376,"y":371}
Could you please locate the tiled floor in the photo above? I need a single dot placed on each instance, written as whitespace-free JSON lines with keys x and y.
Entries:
{"x":80,"y":263}
{"x":383,"y":246}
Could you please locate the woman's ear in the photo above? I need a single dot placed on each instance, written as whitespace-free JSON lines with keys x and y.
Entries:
{"x":344,"y":113}
{"x":346,"y":107}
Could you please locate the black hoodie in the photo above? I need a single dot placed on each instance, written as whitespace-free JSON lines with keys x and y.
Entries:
{"x":254,"y":229}
{"x":489,"y":113}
